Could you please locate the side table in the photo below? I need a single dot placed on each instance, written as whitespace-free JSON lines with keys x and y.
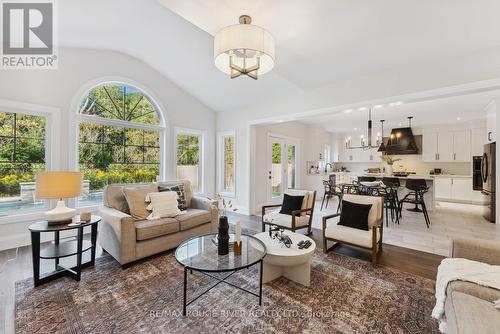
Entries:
{"x":64,"y":249}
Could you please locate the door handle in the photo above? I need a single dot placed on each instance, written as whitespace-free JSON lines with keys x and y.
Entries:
{"x":436,"y":156}
{"x":454,"y":156}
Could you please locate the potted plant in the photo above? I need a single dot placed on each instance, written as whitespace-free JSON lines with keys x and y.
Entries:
{"x":223,"y":233}
{"x":389,"y":160}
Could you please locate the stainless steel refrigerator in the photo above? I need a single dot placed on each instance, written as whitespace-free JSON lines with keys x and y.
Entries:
{"x":488,"y":164}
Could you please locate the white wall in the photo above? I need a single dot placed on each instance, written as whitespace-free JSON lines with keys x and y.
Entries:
{"x":77,"y":67}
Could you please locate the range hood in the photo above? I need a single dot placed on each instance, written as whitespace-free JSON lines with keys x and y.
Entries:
{"x":401,"y":141}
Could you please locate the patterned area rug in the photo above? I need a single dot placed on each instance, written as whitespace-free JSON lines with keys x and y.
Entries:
{"x":346,"y":296}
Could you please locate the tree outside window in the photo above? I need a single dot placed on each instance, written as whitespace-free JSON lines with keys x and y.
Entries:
{"x":188,"y":159}
{"x":117,"y":154}
{"x":22,"y":155}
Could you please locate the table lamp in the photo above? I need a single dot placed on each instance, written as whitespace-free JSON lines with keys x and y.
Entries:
{"x":58,"y":185}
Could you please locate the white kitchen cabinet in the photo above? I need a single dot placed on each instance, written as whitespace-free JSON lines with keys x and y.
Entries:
{"x":429,"y":146}
{"x":491,"y":121}
{"x":456,"y":189}
{"x":462,"y":146}
{"x":461,"y":189}
{"x":478,"y":141}
{"x":445,"y":146}
{"x":451,"y":146}
{"x":442,"y":187}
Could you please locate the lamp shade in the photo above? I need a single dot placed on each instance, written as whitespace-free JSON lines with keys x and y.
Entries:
{"x":57,"y":185}
{"x":244,"y":46}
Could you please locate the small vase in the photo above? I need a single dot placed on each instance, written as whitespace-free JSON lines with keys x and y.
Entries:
{"x":388,"y":170}
{"x":223,"y":236}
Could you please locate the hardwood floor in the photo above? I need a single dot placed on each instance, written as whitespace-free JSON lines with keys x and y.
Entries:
{"x":16,"y":264}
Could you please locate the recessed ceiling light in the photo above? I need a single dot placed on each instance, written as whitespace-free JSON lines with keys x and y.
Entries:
{"x":347,"y":111}
{"x":458,"y":118}
{"x":377,"y":106}
{"x":279,"y":121}
{"x":398,"y":103}
{"x":362,"y":108}
{"x":355,"y":129}
{"x":400,"y":124}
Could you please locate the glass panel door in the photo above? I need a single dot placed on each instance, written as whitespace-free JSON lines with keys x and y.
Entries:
{"x":282,"y":173}
{"x":292,"y":164}
{"x":276,"y":169}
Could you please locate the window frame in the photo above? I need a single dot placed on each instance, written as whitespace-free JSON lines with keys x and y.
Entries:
{"x":52,"y":150}
{"x":221,"y":136}
{"x":77,"y":118}
{"x":201,"y":171}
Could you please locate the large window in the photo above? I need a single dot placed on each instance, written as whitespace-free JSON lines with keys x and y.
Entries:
{"x":189,"y":148}
{"x":226,"y":143}
{"x":22,"y":155}
{"x":119,"y":139}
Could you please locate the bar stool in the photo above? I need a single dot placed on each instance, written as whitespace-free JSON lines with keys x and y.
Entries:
{"x":417,"y":187}
{"x":366,"y":190}
{"x":391,"y":200}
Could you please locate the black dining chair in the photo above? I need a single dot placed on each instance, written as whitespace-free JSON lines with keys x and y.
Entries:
{"x":418,"y":188}
{"x":364,"y":190}
{"x":331,"y":190}
{"x":391,"y":200}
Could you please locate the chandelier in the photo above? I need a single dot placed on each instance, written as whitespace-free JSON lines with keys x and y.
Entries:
{"x":365,"y":145}
{"x":244,"y":49}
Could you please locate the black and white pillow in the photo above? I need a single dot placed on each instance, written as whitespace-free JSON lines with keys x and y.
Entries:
{"x":179,"y":189}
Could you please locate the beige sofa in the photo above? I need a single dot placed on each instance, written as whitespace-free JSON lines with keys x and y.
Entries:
{"x":468,"y":307}
{"x":128,"y":240}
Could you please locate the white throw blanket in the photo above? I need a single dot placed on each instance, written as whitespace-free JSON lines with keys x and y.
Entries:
{"x":453,"y":269}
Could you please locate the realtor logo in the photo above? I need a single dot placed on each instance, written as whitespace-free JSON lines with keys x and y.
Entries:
{"x":28,"y":35}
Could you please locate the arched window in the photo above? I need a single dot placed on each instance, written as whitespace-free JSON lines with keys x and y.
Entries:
{"x":120,"y":136}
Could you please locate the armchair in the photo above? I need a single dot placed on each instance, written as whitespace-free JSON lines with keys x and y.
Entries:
{"x":371,"y":239}
{"x":298,"y":220}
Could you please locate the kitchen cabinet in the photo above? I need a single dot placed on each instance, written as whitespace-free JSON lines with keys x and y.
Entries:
{"x":443,"y":187}
{"x":462,"y":146}
{"x":451,"y":146}
{"x":461,"y":189}
{"x":478,"y":141}
{"x":429,"y":146}
{"x":445,"y":146}
{"x":491,"y":121}
{"x":456,"y":189}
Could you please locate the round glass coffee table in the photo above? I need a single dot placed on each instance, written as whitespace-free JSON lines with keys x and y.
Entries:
{"x":200,"y":254}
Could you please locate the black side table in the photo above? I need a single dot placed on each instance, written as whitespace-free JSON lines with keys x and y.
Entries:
{"x":59,"y":250}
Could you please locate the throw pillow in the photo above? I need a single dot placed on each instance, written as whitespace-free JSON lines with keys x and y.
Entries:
{"x":291,"y":203}
{"x":355,"y":215}
{"x":136,"y":200}
{"x":179,"y":189}
{"x":163,"y":204}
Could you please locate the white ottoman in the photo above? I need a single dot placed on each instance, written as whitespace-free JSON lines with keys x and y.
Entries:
{"x":292,"y":263}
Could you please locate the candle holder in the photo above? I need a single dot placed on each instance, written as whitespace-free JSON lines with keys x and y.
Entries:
{"x":237,"y":248}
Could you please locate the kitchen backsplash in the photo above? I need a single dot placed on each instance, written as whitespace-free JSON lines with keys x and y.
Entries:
{"x":414,"y":163}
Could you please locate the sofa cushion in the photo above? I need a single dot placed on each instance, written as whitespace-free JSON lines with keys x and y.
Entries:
{"x":147,"y":229}
{"x":475,"y":290}
{"x":355,"y":215}
{"x":188,"y":190}
{"x":114,"y":198}
{"x":285,"y":220}
{"x":136,"y":200}
{"x":470,"y":315}
{"x":351,"y":235}
{"x":193,"y":217}
{"x":181,"y":197}
{"x":291,"y":203}
{"x":163,"y":205}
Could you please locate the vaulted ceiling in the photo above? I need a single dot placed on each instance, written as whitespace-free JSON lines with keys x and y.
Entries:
{"x":319,"y":42}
